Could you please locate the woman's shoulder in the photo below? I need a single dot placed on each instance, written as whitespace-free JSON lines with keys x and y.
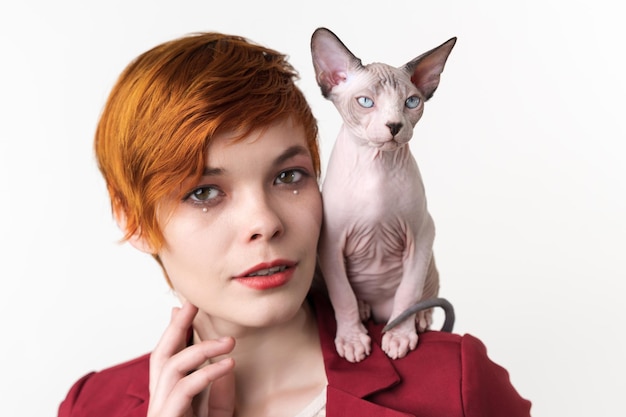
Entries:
{"x":447,"y":374}
{"x":121,"y":390}
{"x":445,"y":355}
{"x":464,"y":347}
{"x":456,"y":370}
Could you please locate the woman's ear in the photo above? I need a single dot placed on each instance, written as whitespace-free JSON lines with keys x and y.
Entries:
{"x":136,"y":239}
{"x":139,"y":242}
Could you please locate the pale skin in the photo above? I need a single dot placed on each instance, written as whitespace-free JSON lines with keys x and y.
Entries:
{"x":255,"y":350}
{"x":376,"y":245}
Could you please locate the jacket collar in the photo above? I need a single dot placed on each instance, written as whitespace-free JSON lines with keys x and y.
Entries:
{"x":350,"y":383}
{"x":138,"y":387}
{"x":138,"y":390}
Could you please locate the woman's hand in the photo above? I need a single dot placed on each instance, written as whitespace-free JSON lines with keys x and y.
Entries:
{"x":181,"y":385}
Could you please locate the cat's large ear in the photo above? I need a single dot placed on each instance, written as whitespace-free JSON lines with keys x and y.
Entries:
{"x":426,"y":69}
{"x":331,"y":59}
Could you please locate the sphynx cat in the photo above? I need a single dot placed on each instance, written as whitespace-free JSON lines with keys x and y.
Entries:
{"x":376,"y":246}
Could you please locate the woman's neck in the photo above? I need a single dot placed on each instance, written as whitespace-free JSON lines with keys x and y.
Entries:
{"x":277,"y":363}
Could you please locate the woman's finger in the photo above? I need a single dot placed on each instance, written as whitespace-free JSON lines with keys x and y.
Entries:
{"x":222,"y":397}
{"x":173,"y":340}
{"x":178,"y":373}
{"x":188,"y":361}
{"x":180,"y":399}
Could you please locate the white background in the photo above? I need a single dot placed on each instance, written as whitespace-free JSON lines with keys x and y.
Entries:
{"x":521,"y":150}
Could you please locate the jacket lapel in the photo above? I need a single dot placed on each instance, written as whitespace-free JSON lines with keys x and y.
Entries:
{"x":139,"y":391}
{"x":340,"y":403}
{"x":350,"y":383}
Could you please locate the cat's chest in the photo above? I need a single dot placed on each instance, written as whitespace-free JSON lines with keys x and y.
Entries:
{"x":363,"y":180}
{"x":368,"y":204}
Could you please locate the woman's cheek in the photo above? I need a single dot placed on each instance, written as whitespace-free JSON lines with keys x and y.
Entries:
{"x":316,"y":208}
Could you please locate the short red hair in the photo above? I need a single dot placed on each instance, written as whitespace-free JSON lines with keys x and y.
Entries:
{"x":171,"y":101}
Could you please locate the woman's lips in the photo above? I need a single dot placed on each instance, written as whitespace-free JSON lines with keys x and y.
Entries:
{"x":268,"y":275}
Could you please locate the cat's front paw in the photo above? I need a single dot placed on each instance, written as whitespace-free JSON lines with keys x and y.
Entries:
{"x":399,"y":341}
{"x":353,"y":343}
{"x":423,"y":320}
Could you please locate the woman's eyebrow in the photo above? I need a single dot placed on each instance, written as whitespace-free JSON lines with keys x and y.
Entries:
{"x":210,"y":172}
{"x":290,"y":152}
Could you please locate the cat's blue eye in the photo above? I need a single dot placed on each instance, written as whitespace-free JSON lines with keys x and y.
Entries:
{"x":290,"y":176}
{"x":412,"y":102}
{"x":365,"y":102}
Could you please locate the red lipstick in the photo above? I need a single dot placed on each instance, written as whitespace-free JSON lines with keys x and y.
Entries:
{"x":267,"y":275}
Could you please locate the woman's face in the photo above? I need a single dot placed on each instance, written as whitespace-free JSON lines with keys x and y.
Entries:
{"x":241,"y":244}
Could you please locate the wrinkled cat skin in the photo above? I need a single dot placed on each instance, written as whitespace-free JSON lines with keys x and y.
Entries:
{"x":377,"y":236}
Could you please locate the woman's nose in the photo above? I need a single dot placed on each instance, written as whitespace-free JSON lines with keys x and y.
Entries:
{"x":262,"y":220}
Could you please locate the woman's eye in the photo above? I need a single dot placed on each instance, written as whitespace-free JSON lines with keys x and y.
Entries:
{"x":203,"y":194}
{"x":291,"y":176}
{"x":412,"y":102}
{"x":365,"y":102}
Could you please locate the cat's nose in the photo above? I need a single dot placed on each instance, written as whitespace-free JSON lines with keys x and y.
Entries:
{"x":394,"y":128}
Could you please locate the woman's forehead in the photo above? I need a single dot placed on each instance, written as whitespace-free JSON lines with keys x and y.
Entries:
{"x":274,"y":141}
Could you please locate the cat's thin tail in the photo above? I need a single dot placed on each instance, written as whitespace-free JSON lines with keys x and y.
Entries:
{"x":448,"y":323}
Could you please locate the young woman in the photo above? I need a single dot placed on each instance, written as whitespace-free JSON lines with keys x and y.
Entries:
{"x":210,"y":155}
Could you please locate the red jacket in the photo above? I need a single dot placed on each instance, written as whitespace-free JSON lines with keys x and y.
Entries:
{"x":448,"y":375}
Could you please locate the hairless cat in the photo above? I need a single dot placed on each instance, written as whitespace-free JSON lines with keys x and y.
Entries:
{"x":377,"y":235}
